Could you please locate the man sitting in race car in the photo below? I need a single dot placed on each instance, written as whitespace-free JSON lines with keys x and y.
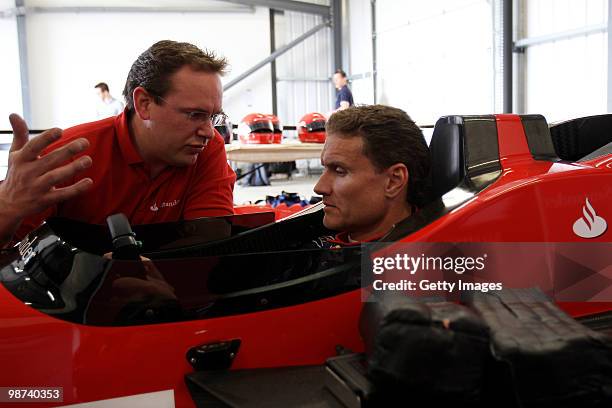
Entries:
{"x":376,"y":172}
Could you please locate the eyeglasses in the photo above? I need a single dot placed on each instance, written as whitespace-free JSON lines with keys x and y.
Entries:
{"x":199,"y":117}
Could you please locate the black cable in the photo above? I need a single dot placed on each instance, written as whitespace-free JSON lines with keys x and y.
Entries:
{"x":250,"y":172}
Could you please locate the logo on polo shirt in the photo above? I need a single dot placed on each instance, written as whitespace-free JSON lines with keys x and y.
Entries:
{"x":172,"y":203}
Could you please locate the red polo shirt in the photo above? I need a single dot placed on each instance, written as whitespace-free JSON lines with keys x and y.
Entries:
{"x":122,"y":182}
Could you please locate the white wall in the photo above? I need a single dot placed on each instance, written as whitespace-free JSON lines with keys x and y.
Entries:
{"x":298,"y":90}
{"x":10,"y":79}
{"x":70,"y":52}
{"x":435,"y":58}
{"x":566,"y":78}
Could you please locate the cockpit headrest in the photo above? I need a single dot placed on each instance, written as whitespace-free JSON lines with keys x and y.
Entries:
{"x":463,"y":148}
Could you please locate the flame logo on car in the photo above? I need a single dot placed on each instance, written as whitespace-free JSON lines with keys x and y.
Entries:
{"x":590,"y":225}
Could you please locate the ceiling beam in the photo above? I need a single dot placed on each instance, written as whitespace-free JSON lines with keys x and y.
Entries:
{"x":288,"y":5}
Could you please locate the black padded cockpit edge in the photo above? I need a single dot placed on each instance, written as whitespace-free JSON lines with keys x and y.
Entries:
{"x":463,"y":148}
{"x":576,"y":139}
{"x":539,"y":138}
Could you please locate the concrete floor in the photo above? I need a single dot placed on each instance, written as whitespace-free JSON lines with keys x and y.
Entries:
{"x":302,"y":185}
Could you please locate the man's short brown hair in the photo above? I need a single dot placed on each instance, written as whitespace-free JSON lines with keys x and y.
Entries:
{"x":389,"y":137}
{"x":153,"y":68}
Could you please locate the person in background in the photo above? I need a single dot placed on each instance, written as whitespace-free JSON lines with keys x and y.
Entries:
{"x":376,"y":173}
{"x":344,"y":96}
{"x":108,"y":106}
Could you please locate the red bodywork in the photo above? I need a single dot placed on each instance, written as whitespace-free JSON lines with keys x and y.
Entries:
{"x":531,"y":201}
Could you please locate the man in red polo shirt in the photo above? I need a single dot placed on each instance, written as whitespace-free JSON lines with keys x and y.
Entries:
{"x":161,"y":159}
{"x":376,"y":173}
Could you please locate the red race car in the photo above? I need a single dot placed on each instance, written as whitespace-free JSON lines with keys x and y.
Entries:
{"x":182,"y":314}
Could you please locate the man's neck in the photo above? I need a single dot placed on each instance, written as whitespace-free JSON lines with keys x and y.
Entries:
{"x":393,"y":216}
{"x":139,"y":134}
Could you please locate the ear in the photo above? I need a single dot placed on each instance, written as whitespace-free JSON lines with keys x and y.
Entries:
{"x":142,"y":102}
{"x":397,"y":181}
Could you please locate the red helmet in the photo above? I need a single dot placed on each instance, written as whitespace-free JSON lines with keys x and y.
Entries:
{"x":278,"y":129}
{"x":258,"y":128}
{"x":311,"y":128}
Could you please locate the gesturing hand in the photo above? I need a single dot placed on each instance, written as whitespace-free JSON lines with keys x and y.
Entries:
{"x":31,"y":180}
